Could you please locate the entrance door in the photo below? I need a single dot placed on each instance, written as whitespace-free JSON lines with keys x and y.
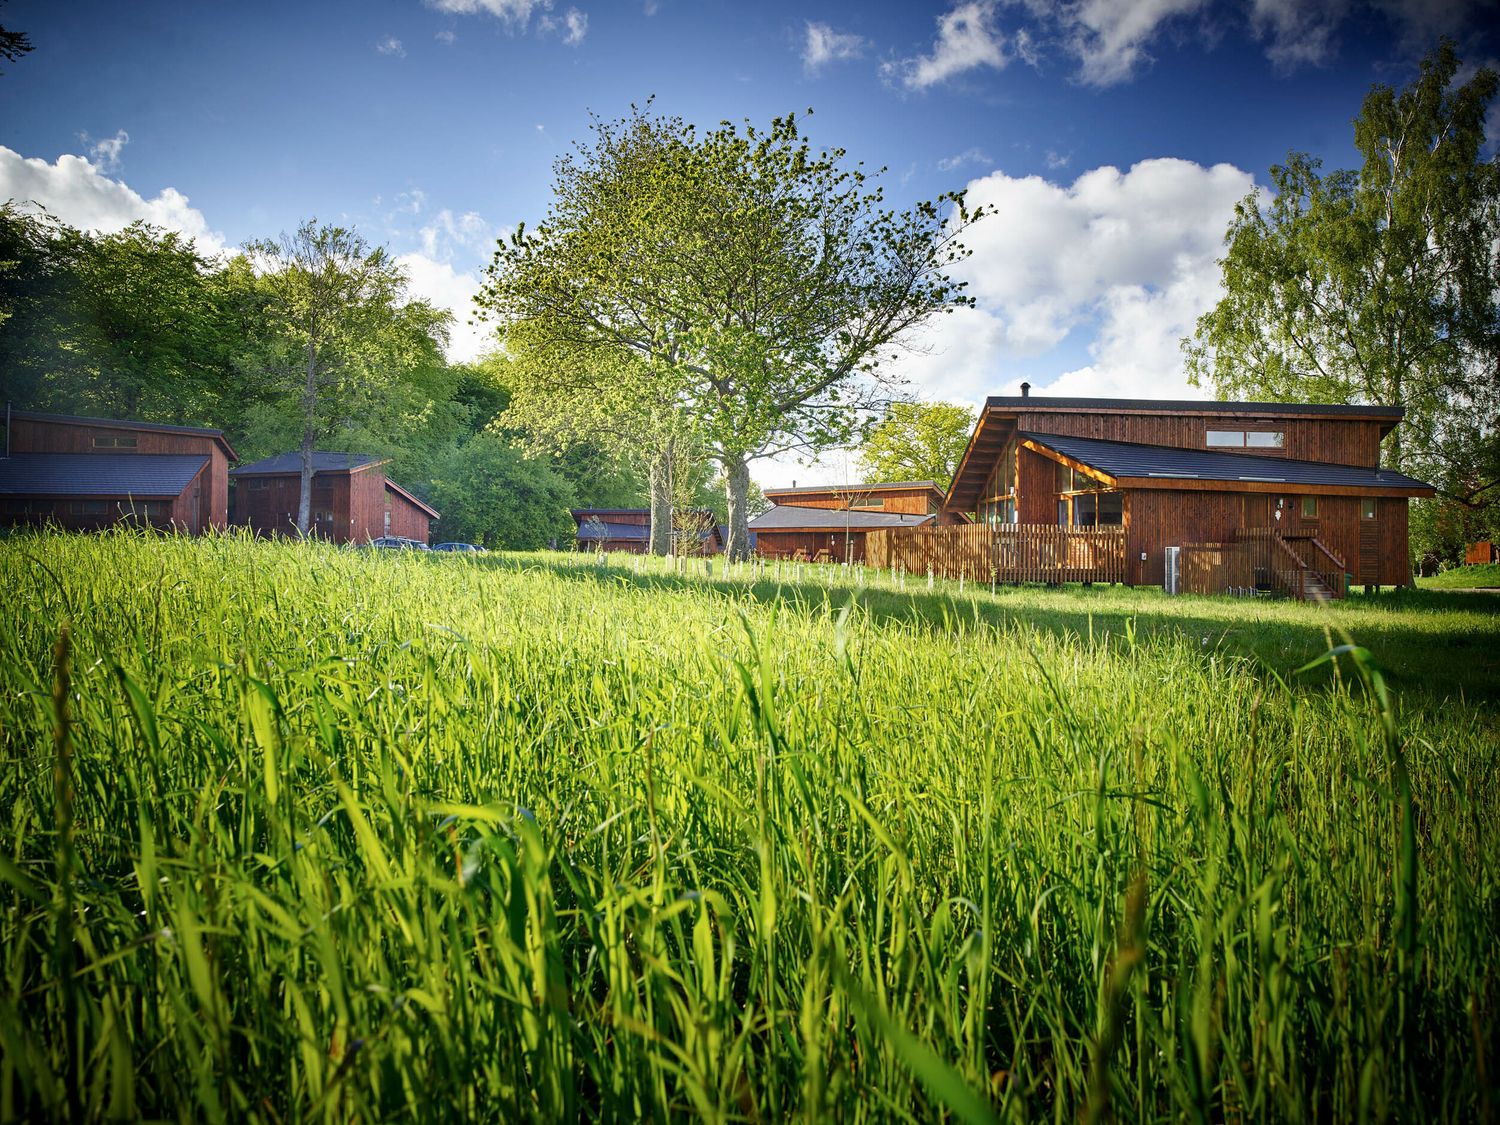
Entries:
{"x":1257,"y":509}
{"x":1369,"y":541}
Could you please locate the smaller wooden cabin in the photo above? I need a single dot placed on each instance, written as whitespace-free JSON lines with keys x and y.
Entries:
{"x":628,"y":530}
{"x":1480,"y":553}
{"x":912,"y":497}
{"x":788,"y":531}
{"x":352,"y":500}
{"x":89,"y":473}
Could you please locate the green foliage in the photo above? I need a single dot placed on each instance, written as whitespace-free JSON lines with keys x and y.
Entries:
{"x":1482,"y":576}
{"x":736,"y":283}
{"x":295,"y":832}
{"x":499,"y":497}
{"x":917,"y":441}
{"x":1380,"y":285}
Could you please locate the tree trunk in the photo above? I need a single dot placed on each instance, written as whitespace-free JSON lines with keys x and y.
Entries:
{"x":309,"y":439}
{"x":737,"y":490}
{"x":659,"y":481}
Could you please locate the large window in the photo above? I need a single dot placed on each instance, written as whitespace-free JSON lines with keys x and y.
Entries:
{"x":1246,"y":439}
{"x":1098,"y":509}
{"x":998,"y":505}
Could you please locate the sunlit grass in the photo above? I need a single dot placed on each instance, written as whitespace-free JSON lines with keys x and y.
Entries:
{"x":294,"y":832}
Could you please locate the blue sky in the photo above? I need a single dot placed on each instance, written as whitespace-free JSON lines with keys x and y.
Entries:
{"x":1114,"y":136}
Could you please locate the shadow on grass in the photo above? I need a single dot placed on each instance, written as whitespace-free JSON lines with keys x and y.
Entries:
{"x":1436,"y":645}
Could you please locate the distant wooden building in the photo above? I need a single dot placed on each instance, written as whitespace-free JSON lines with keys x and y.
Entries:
{"x":352,"y":500}
{"x":912,"y":497}
{"x":628,"y":530}
{"x":90,"y":473}
{"x":823,"y":534}
{"x":1477,"y":554}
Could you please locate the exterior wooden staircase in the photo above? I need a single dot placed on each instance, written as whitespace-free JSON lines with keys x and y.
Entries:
{"x":1297,"y":564}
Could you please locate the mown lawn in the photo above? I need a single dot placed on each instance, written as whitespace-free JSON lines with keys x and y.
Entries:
{"x":1482,"y":576}
{"x":295,"y":832}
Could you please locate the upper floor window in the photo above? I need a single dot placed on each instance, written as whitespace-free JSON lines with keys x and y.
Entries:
{"x":1246,"y":439}
{"x":112,"y":442}
{"x":1367,"y":508}
{"x":1309,"y":507}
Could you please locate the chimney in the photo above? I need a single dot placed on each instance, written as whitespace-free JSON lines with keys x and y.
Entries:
{"x":1025,"y":390}
{"x":794,"y":484}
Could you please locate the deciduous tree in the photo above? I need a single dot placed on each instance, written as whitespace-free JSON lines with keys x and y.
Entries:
{"x":340,"y":327}
{"x":1378,"y":285}
{"x":917,"y":441}
{"x":761,"y":283}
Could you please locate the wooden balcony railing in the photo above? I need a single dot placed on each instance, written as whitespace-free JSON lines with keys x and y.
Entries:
{"x":1010,"y":553}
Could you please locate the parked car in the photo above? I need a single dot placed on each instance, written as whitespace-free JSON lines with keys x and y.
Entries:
{"x":397,"y":543}
{"x":465,"y":548}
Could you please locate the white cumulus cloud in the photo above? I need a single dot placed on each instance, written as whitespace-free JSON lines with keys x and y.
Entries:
{"x":445,"y":287}
{"x":1125,"y":260}
{"x":967,"y":38}
{"x":1109,"y":37}
{"x":79,"y":193}
{"x":822,"y":45}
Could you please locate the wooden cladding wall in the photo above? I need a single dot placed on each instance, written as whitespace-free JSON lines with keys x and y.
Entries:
{"x":1160,"y":518}
{"x":1338,"y":442}
{"x":1014,"y":553}
{"x":918,"y":502}
{"x":787,"y":544}
{"x":1036,"y":488}
{"x":39,"y":435}
{"x":407,"y":520}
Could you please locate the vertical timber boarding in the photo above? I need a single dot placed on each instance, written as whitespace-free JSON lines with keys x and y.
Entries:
{"x":1014,"y":553}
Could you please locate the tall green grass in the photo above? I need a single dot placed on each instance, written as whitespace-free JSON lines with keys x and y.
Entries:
{"x":294,"y":833}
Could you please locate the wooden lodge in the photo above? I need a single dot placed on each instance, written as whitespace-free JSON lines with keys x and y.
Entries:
{"x":628,"y":530}
{"x":352,"y":500}
{"x":90,"y":473}
{"x":1199,"y":496}
{"x":830,"y":523}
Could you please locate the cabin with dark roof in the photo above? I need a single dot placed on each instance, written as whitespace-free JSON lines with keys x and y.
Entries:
{"x":1288,"y":496}
{"x":352,"y":500}
{"x":628,"y":530}
{"x":89,"y":473}
{"x":829,"y":522}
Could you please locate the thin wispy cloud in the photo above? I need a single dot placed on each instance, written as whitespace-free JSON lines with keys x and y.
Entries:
{"x":105,"y":153}
{"x":967,"y":39}
{"x":572,"y":25}
{"x":518,"y":15}
{"x":390,"y":45}
{"x":968,"y":156}
{"x":822,"y":45}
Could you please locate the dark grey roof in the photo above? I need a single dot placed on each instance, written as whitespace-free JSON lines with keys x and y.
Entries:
{"x":322,"y":463}
{"x":612,"y":530}
{"x":1202,"y":406}
{"x":1127,"y":459}
{"x":98,"y":474}
{"x":785,"y":517}
{"x":848,"y":488}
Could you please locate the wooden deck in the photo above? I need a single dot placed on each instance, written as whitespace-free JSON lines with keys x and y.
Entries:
{"x":1012,"y":553}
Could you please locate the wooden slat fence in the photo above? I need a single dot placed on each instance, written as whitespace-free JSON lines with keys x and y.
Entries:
{"x":1014,"y":553}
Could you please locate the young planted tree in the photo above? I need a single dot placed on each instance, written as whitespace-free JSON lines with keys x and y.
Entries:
{"x":340,"y":327}
{"x":762,"y":284}
{"x":917,"y":441}
{"x":1380,"y":285}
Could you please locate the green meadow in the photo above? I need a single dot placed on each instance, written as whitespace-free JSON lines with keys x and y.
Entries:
{"x":293,"y":833}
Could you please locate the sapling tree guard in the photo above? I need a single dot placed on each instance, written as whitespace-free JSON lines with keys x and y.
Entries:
{"x":762,"y":284}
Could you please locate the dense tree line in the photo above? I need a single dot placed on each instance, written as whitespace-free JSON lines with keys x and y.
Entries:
{"x":142,"y":324}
